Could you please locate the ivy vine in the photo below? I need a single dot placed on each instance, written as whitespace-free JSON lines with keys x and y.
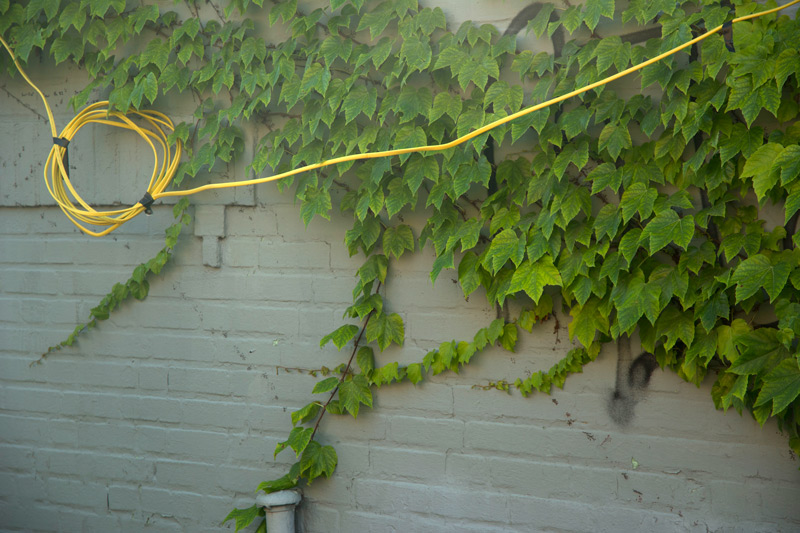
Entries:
{"x":641,"y":214}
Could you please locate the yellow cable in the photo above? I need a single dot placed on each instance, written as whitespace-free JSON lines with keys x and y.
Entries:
{"x":99,"y":113}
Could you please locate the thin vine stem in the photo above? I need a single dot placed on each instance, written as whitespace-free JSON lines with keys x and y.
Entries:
{"x":346,"y":370}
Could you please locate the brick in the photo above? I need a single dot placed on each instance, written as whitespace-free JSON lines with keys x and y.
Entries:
{"x":373,"y":522}
{"x":334,"y":491}
{"x":208,"y":380}
{"x":201,"y":445}
{"x":317,"y":519}
{"x":119,"y":437}
{"x":394,"y":463}
{"x":241,"y":318}
{"x":369,"y":426}
{"x":756,"y":501}
{"x":31,"y":280}
{"x":100,"y":522}
{"x":239,"y":251}
{"x":39,"y":400}
{"x":425,"y":397}
{"x":251,"y":222}
{"x":415,"y":291}
{"x":123,"y":498}
{"x":76,"y":493}
{"x":258,"y":449}
{"x":438,"y":326}
{"x":157,"y":409}
{"x":212,"y":252}
{"x":294,"y":256}
{"x":292,"y":229}
{"x":214,"y":477}
{"x":158,"y":313}
{"x":401,"y":497}
{"x":213,"y":414}
{"x":354,"y":459}
{"x":467,"y":469}
{"x":209,"y":220}
{"x":152,"y":377}
{"x":101,"y":373}
{"x":334,"y":290}
{"x":14,"y":368}
{"x":17,"y":458}
{"x":233,"y":284}
{"x":427,"y":433}
{"x":572,"y":516}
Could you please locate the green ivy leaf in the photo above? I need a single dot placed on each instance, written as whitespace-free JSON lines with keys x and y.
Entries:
{"x":501,"y":95}
{"x":759,"y":166}
{"x":718,"y":306}
{"x":326,"y":385}
{"x":594,"y":9}
{"x":668,"y":227}
{"x":386,"y":329}
{"x":762,"y":351}
{"x":287,"y":481}
{"x":298,"y":440}
{"x":758,"y":271}
{"x":243,"y":517}
{"x":675,"y":325}
{"x":788,"y":161}
{"x":375,"y":267}
{"x":468,"y":276}
{"x":398,"y":239}
{"x":318,"y":461}
{"x":445,"y":103}
{"x":353,"y":393}
{"x":416,"y":53}
{"x":308,"y":412}
{"x":587,"y":319}
{"x":637,"y":299}
{"x":637,"y":198}
{"x":316,"y":77}
{"x":366,"y":360}
{"x":505,"y":245}
{"x":359,"y":100}
{"x":538,"y":24}
{"x":607,"y":222}
{"x":414,"y":373}
{"x":532,"y":277}
{"x":285,"y":10}
{"x":340,"y":337}
{"x":781,"y":386}
{"x":507,"y":340}
{"x":614,"y":138}
{"x":605,"y":175}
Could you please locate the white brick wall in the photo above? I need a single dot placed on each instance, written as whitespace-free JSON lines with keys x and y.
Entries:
{"x":166,"y":415}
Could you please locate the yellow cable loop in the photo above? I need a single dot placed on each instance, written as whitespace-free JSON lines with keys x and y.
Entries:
{"x":99,"y":113}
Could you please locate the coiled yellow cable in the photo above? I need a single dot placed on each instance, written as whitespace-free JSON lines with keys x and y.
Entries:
{"x":56,"y":175}
{"x":60,"y":186}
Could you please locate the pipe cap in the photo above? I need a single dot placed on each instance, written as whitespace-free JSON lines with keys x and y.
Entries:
{"x":279,"y":498}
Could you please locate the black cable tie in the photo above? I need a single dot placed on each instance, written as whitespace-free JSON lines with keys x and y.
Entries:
{"x":728,"y":36}
{"x":63,"y":143}
{"x":147,"y":201}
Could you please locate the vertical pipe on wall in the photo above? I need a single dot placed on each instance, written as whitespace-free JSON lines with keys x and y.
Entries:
{"x":279,"y":507}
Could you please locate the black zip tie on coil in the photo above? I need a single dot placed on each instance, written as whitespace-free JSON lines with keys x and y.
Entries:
{"x":727,"y":34}
{"x":147,"y":201}
{"x":63,"y":143}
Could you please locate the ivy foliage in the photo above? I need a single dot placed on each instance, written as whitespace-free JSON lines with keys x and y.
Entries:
{"x":671,"y":214}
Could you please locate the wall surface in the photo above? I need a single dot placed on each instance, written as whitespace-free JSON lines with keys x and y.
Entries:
{"x":167,"y":415}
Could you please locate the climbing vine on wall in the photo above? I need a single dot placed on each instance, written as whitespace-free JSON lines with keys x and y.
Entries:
{"x":642,"y":214}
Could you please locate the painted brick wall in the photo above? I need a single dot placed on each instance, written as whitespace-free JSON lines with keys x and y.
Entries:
{"x":167,"y":415}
